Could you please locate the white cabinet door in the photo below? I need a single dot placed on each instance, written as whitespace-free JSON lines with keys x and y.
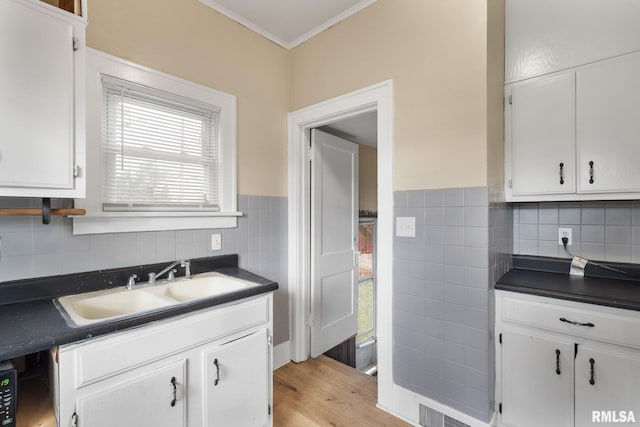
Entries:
{"x":36,"y":98}
{"x":537,"y":380}
{"x":543,"y":136}
{"x":607,"y":379}
{"x":145,"y":399}
{"x":236,"y":383}
{"x":608,"y":126}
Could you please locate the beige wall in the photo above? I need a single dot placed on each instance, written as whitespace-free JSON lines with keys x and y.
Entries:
{"x":192,"y":41}
{"x":445,"y":59}
{"x":495,"y":103}
{"x":368,"y":178}
{"x":436,"y":53}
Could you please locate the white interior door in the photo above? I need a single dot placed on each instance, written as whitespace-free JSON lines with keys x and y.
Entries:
{"x":334,"y":233}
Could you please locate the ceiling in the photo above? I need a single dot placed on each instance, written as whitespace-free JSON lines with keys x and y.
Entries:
{"x":361,"y":129}
{"x":288,"y":22}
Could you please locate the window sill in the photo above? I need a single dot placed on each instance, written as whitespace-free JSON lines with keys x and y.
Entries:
{"x":128,"y":222}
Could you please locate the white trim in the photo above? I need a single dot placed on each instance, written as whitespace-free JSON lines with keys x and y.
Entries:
{"x":98,"y":64}
{"x":330,"y":23}
{"x":288,"y":44}
{"x":281,"y":355}
{"x":123,"y":224}
{"x":376,"y":97}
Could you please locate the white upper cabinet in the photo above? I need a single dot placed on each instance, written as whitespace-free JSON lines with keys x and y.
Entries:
{"x":608,"y":126}
{"x":543,"y":135}
{"x":545,"y":36}
{"x":572,"y":125}
{"x":41,"y":100}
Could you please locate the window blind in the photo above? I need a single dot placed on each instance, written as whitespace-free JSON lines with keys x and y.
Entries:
{"x":160,"y":151}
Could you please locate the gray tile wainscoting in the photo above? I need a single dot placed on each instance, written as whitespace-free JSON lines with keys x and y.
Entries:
{"x":442,"y":294}
{"x":603,"y":231}
{"x":30,"y":249}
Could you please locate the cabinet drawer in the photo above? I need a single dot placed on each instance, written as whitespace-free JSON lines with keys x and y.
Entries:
{"x":608,"y":326}
{"x":109,"y":356}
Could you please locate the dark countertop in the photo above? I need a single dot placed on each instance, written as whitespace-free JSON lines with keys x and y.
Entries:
{"x":549,"y":277}
{"x":30,"y":324}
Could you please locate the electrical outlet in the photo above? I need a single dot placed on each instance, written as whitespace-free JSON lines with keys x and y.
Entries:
{"x":216,"y":242}
{"x":565,"y":232}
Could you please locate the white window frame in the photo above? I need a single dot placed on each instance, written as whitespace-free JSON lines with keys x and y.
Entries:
{"x":96,"y":220}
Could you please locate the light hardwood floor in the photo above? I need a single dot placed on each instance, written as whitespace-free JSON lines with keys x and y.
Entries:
{"x":323,"y":392}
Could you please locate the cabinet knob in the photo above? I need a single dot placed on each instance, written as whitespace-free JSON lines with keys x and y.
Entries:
{"x":592,"y":362}
{"x":561,"y":173}
{"x":591,"y":172}
{"x":558,"y":361}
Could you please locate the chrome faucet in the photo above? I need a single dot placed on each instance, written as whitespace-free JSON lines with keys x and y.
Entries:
{"x":132,"y":281}
{"x":185,"y":263}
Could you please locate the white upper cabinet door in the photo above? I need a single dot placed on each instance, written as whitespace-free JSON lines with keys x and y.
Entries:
{"x":545,"y":36}
{"x":543,"y":136}
{"x":37,"y":100}
{"x":608,"y":126}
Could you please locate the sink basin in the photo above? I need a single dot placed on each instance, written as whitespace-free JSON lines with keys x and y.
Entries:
{"x":101,"y":306}
{"x":205,"y":286}
{"x":89,"y":308}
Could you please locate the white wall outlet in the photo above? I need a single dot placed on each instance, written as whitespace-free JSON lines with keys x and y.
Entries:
{"x":406,"y":226}
{"x":216,"y":242}
{"x":565,"y":232}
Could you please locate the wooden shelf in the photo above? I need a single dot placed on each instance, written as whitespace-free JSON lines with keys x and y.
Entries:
{"x":34,"y":404}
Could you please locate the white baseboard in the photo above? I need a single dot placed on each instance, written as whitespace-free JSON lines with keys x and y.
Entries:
{"x":281,"y":355}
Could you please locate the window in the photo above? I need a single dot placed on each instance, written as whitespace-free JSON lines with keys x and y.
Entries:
{"x":366,"y":282}
{"x":161,"y":151}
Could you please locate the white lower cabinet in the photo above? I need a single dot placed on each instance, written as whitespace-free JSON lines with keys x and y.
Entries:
{"x":537,"y":380}
{"x":236,"y":383}
{"x":153,"y":398}
{"x":209,"y":368}
{"x":564,"y":364}
{"x":607,"y":379}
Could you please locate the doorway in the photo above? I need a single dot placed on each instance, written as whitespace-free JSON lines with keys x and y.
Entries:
{"x":378,"y":97}
{"x":356,"y":348}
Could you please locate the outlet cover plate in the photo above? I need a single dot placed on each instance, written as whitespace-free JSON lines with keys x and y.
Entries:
{"x":565,"y":232}
{"x":216,"y":242}
{"x":406,"y":226}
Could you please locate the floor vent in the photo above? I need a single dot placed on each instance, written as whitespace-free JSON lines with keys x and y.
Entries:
{"x":452,"y":422}
{"x":432,"y":418}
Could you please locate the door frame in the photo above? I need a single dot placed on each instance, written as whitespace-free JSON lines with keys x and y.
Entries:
{"x":377,"y":97}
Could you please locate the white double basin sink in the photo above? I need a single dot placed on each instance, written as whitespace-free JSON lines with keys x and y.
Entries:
{"x":116,"y":303}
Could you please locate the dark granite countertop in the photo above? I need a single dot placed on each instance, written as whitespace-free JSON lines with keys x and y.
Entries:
{"x":31,"y":323}
{"x":549,"y":277}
